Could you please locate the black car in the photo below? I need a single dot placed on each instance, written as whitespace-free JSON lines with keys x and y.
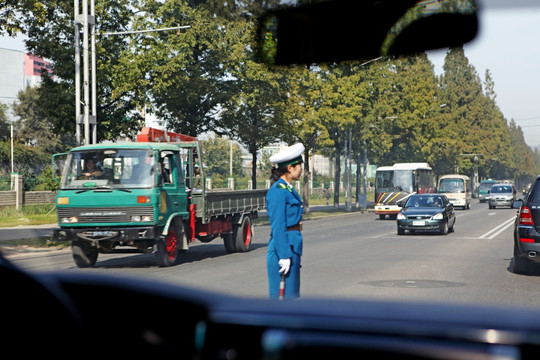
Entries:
{"x":526,"y":231}
{"x":426,"y":212}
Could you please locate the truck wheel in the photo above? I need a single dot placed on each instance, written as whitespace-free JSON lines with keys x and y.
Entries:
{"x":243,"y":235}
{"x":167,"y":248}
{"x":84,"y":254}
{"x":229,"y":242}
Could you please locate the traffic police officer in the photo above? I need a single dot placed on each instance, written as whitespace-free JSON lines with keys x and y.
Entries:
{"x":284,"y":208}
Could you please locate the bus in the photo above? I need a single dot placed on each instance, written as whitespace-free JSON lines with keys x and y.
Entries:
{"x":396,"y":183}
{"x":457,"y":189}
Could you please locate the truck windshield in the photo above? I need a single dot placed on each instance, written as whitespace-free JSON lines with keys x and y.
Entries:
{"x":109,"y":168}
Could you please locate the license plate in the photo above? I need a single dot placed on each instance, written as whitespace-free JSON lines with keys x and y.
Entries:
{"x":104,"y":233}
{"x":419,"y":223}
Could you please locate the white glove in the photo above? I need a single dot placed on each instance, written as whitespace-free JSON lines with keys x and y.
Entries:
{"x":284,"y":266}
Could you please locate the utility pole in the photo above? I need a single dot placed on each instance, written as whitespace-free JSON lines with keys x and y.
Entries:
{"x":475,"y":181}
{"x":86,"y":20}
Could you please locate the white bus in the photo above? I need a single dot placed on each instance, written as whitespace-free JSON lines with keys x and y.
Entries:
{"x":457,"y":189}
{"x":397,"y":182}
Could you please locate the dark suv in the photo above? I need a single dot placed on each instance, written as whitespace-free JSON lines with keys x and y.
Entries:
{"x":527,"y":232}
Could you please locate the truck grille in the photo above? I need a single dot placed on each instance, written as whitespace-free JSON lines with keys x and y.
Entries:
{"x":105,"y":214}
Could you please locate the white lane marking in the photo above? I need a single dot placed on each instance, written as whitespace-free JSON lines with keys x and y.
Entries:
{"x":382,"y":235}
{"x":491,"y":214}
{"x":496,"y":231}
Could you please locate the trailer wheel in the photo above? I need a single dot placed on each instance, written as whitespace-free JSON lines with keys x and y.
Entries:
{"x":84,"y":254}
{"x":243,"y":235}
{"x":167,"y":248}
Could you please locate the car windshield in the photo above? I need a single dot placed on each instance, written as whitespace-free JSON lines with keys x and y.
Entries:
{"x":193,"y":68}
{"x":498,"y":189}
{"x":424,"y":201}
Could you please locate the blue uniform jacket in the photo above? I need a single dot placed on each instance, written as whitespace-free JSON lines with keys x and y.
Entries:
{"x":284,"y":208}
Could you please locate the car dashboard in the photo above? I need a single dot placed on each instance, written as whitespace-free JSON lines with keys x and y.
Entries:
{"x":63,"y":314}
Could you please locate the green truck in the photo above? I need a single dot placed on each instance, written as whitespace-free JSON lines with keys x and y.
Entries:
{"x":147,"y":196}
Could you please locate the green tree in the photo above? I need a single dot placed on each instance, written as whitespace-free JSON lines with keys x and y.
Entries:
{"x":217,"y":151}
{"x":251,"y":114}
{"x":4,"y":125}
{"x":34,"y":128}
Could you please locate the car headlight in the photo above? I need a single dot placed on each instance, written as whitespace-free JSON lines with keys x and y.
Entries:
{"x":400,"y":216}
{"x":437,"y":216}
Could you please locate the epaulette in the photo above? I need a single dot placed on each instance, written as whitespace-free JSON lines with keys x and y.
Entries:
{"x":282,"y":186}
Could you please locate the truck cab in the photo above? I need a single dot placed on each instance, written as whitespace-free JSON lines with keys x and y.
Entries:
{"x":121,"y":194}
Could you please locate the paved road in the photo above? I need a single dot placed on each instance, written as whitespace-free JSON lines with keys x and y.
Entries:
{"x":350,"y":256}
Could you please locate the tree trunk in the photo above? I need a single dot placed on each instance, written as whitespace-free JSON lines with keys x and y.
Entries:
{"x":337,"y":177}
{"x":254,"y":169}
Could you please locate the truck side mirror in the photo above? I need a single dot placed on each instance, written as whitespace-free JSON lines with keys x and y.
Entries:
{"x":58,"y":163}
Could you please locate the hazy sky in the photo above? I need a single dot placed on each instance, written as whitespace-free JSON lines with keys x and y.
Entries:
{"x":509,"y":46}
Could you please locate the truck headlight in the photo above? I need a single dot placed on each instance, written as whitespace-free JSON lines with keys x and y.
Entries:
{"x":69,"y":220}
{"x":143,"y":218}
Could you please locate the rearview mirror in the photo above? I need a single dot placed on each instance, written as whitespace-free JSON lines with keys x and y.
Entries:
{"x":339,"y":30}
{"x":58,"y":162}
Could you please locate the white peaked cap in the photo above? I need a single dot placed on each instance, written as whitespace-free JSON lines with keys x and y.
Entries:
{"x":288,"y":156}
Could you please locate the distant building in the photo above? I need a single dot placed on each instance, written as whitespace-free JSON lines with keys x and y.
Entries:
{"x":19,"y":70}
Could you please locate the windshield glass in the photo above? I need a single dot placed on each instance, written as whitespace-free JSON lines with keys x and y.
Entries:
{"x":470,"y":110}
{"x":485,"y":186}
{"x":499,"y":189}
{"x":114,"y":168}
{"x":388,"y":180}
{"x":424,"y":201}
{"x":451,"y":186}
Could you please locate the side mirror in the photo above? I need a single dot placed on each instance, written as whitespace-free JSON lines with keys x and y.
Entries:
{"x":58,"y":162}
{"x":401,"y":204}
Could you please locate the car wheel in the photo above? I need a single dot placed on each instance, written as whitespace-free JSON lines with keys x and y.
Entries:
{"x":453,"y":228}
{"x":444,"y":228}
{"x":519,"y":265}
{"x":400,"y":231}
{"x":381,"y":216}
